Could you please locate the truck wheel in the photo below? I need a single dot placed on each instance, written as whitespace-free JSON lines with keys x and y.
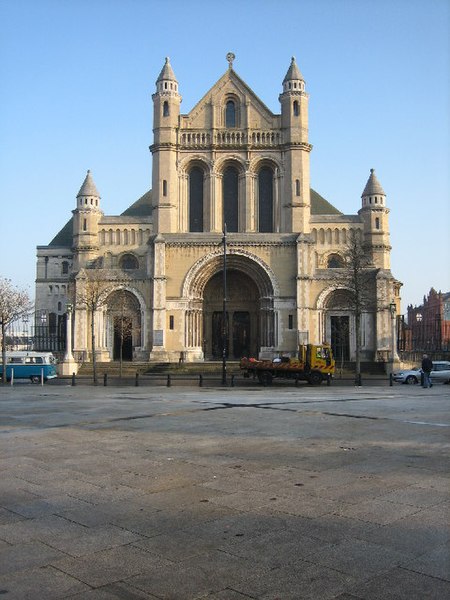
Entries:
{"x":315,"y":378}
{"x":35,"y":379}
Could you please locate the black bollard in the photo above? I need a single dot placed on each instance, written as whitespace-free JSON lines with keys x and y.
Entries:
{"x":296,"y":381}
{"x":136,"y":381}
{"x":73,"y":379}
{"x":105,"y":379}
{"x":200,"y":380}
{"x":169,"y":381}
{"x":328,"y":379}
{"x":232,"y":381}
{"x":391,"y":380}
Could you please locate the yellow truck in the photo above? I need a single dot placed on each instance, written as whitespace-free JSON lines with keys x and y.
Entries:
{"x":314,"y":363}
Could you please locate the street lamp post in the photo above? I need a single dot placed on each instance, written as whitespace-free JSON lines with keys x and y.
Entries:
{"x":420,"y":330}
{"x":224,"y":312}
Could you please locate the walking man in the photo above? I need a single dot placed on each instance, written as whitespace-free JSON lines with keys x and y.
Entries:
{"x":427,"y":367}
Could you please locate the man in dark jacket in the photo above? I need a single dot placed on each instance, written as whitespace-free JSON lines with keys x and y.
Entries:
{"x":427,"y":367}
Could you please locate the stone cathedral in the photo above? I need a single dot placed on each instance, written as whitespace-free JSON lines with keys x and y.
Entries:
{"x":229,"y":161}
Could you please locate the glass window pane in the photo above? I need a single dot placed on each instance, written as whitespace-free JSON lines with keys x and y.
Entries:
{"x":196,"y":199}
{"x":265,"y":181}
{"x":230,"y":198}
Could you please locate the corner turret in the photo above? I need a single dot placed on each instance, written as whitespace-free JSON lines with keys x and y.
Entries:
{"x":86,"y":217}
{"x":294,"y":124}
{"x":375,"y":218}
{"x":166,"y":116}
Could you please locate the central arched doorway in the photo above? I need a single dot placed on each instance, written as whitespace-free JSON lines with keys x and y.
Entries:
{"x":242,"y":316}
{"x":251,"y":292}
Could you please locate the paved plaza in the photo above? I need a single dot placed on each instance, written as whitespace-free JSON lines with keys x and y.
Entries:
{"x":183,"y":493}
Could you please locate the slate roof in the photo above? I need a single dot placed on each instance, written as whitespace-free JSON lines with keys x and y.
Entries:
{"x":140,"y":208}
{"x":64,"y":237}
{"x":320,"y":206}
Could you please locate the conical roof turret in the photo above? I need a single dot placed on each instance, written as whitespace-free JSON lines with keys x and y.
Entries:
{"x":88,"y":188}
{"x":373,"y":186}
{"x":293,"y":73}
{"x":167,"y":73}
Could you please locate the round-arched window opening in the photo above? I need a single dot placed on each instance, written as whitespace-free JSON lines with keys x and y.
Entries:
{"x":335,"y":262}
{"x":128,"y":262}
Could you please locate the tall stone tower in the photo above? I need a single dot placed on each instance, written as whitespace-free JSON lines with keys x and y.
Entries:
{"x":86,"y":217}
{"x":166,"y":112}
{"x":294,"y":124}
{"x":374,"y":215}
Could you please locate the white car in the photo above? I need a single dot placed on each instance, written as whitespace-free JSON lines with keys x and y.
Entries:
{"x":411,"y":376}
{"x":439,"y":374}
{"x":441,"y":371}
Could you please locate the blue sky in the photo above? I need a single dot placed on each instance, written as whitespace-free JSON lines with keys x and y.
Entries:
{"x":77,"y":76}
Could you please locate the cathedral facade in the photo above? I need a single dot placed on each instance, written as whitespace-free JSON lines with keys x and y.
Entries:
{"x":228,"y":166}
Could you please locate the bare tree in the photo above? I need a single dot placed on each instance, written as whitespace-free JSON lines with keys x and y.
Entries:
{"x":357,"y":277}
{"x":91,"y":293}
{"x":14,"y":303}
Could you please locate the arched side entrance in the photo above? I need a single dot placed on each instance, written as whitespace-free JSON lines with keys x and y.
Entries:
{"x":249,"y":309}
{"x":338,"y":323}
{"x":123,"y":317}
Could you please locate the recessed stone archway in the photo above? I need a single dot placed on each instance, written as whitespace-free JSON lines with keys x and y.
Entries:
{"x":251,"y":288}
{"x":123,"y":324}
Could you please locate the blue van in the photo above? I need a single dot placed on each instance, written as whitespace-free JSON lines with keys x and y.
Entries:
{"x":29,"y":365}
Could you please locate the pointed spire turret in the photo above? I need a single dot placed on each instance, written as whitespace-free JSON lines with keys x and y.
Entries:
{"x":293,"y":80}
{"x":373,"y":186}
{"x":88,"y":187}
{"x":167,"y":82}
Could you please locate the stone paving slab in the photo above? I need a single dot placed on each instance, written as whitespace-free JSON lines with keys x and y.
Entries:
{"x":224,"y":494}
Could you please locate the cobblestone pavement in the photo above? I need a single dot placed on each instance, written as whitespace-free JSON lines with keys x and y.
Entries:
{"x":224,"y":494}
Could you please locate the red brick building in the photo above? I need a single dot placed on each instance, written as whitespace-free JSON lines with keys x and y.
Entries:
{"x":428,"y":325}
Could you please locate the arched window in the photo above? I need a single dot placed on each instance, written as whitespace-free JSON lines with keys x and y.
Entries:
{"x":377,"y":223}
{"x":297,"y":187}
{"x":165,"y":109}
{"x":296,"y":108}
{"x":164,"y":187}
{"x":265,"y":200}
{"x":196,"y":199}
{"x":334,"y":262}
{"x":230,"y":114}
{"x":129,"y":262}
{"x":230,"y":189}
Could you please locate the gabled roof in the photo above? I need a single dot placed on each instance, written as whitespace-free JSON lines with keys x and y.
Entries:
{"x":231,"y":75}
{"x":140,"y":208}
{"x":320,"y":206}
{"x":64,"y":236}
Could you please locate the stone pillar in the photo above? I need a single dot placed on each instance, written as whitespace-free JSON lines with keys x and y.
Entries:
{"x":68,"y":366}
